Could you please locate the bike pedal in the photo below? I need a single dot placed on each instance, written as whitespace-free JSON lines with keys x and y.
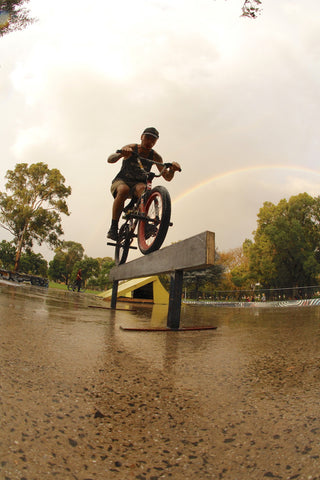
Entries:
{"x":138,"y":216}
{"x":134,"y":248}
{"x":112,"y":244}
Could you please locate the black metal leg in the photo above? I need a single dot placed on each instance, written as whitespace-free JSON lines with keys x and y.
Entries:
{"x":114,"y":294}
{"x":174,"y":309}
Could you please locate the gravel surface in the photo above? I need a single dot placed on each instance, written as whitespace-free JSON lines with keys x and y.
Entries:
{"x":82,"y":399}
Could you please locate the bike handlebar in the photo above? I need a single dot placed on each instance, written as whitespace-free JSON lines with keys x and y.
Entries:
{"x":164,"y":165}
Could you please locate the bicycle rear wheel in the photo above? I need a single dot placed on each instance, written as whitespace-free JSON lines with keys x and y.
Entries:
{"x":153,"y":230}
{"x":123,"y":244}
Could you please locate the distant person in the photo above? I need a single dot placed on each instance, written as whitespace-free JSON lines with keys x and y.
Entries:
{"x":130,"y":181}
{"x":79,"y":279}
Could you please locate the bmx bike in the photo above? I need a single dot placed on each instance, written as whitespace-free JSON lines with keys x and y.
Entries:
{"x":146,"y":218}
{"x":74,"y":287}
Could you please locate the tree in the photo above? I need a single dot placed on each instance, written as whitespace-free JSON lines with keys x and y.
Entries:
{"x":33,"y":263}
{"x":100,"y":279}
{"x":66,"y":256}
{"x":251,"y":8}
{"x":89,"y":268}
{"x":13,"y":16}
{"x":32,"y":211}
{"x":236,"y":273}
{"x":7,"y":254}
{"x":202,"y":280}
{"x":285,"y":251}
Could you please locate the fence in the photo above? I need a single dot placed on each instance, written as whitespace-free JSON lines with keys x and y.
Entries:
{"x":259,"y":294}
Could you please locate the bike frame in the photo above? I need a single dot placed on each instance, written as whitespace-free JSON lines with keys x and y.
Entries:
{"x":154,"y":227}
{"x":138,"y":211}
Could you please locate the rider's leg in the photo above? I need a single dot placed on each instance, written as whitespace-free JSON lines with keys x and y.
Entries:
{"x":122,"y":193}
{"x":139,"y":189}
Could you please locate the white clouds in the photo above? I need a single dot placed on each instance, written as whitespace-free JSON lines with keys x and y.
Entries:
{"x":28,"y":139}
{"x":225,"y":93}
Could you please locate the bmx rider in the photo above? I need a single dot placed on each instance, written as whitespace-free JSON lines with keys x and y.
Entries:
{"x":130,"y":181}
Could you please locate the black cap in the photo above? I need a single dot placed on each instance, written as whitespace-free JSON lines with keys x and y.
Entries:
{"x":151,"y":131}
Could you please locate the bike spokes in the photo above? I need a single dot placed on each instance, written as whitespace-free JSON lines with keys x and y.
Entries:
{"x":123,"y":244}
{"x":153,"y":229}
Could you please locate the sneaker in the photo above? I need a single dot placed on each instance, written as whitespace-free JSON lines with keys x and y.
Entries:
{"x":113,"y":233}
{"x":129,"y":206}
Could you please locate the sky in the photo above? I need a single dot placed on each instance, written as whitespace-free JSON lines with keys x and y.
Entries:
{"x":236,"y":101}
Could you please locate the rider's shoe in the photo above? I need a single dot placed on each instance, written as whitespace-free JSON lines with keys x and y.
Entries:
{"x":130,"y":205}
{"x":113,"y":233}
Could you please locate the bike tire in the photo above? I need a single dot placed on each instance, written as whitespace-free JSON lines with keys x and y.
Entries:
{"x":123,"y":244}
{"x":158,"y":213}
{"x":73,"y":287}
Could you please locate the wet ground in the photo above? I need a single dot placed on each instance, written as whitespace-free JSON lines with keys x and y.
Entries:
{"x":83,"y":399}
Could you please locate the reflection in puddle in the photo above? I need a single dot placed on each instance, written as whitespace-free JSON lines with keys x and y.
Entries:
{"x":252,"y":349}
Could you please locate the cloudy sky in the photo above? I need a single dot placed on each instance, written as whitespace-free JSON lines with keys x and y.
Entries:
{"x":236,"y":101}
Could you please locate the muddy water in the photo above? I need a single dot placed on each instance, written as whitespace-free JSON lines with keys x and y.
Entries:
{"x":83,"y":399}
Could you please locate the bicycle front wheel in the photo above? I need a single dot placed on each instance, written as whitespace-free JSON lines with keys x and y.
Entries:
{"x":153,"y":229}
{"x":123,"y":244}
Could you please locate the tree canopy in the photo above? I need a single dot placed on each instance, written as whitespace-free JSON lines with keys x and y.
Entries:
{"x":66,"y":256}
{"x":14,"y":16}
{"x":31,"y":212}
{"x":30,"y":262}
{"x":251,"y":8}
{"x":69,"y":257}
{"x":285,"y":251}
{"x":200,"y":280}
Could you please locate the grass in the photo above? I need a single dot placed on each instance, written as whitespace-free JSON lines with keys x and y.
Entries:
{"x":62,"y":286}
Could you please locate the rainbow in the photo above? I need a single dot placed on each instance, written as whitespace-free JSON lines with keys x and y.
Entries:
{"x":243,"y":170}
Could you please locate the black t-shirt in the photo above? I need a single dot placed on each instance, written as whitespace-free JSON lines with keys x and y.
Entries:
{"x":131,"y":172}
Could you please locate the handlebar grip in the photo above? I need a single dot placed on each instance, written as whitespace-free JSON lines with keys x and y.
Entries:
{"x":167,"y":165}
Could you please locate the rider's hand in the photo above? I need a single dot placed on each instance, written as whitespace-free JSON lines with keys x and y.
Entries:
{"x":176,"y":167}
{"x":127,"y":151}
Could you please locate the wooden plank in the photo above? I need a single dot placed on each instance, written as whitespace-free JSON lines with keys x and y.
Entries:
{"x":191,"y":254}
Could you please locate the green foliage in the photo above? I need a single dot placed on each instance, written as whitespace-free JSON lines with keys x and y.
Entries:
{"x":30,"y":262}
{"x":285,"y":252}
{"x":69,"y":257}
{"x":33,"y":263}
{"x":13,"y":16}
{"x":7,"y":255}
{"x":251,"y":8}
{"x":201,"y":281}
{"x":100,"y":278}
{"x":63,"y":263}
{"x":31,"y":212}
{"x":89,"y":267}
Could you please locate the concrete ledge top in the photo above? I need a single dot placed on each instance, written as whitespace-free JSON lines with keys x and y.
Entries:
{"x":191,"y":254}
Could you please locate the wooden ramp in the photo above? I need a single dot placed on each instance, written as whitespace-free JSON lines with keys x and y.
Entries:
{"x":194,"y":253}
{"x":126,"y":289}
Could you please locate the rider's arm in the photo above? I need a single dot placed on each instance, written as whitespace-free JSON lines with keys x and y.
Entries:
{"x":114,"y":157}
{"x":167,"y":173}
{"x":125,"y":152}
